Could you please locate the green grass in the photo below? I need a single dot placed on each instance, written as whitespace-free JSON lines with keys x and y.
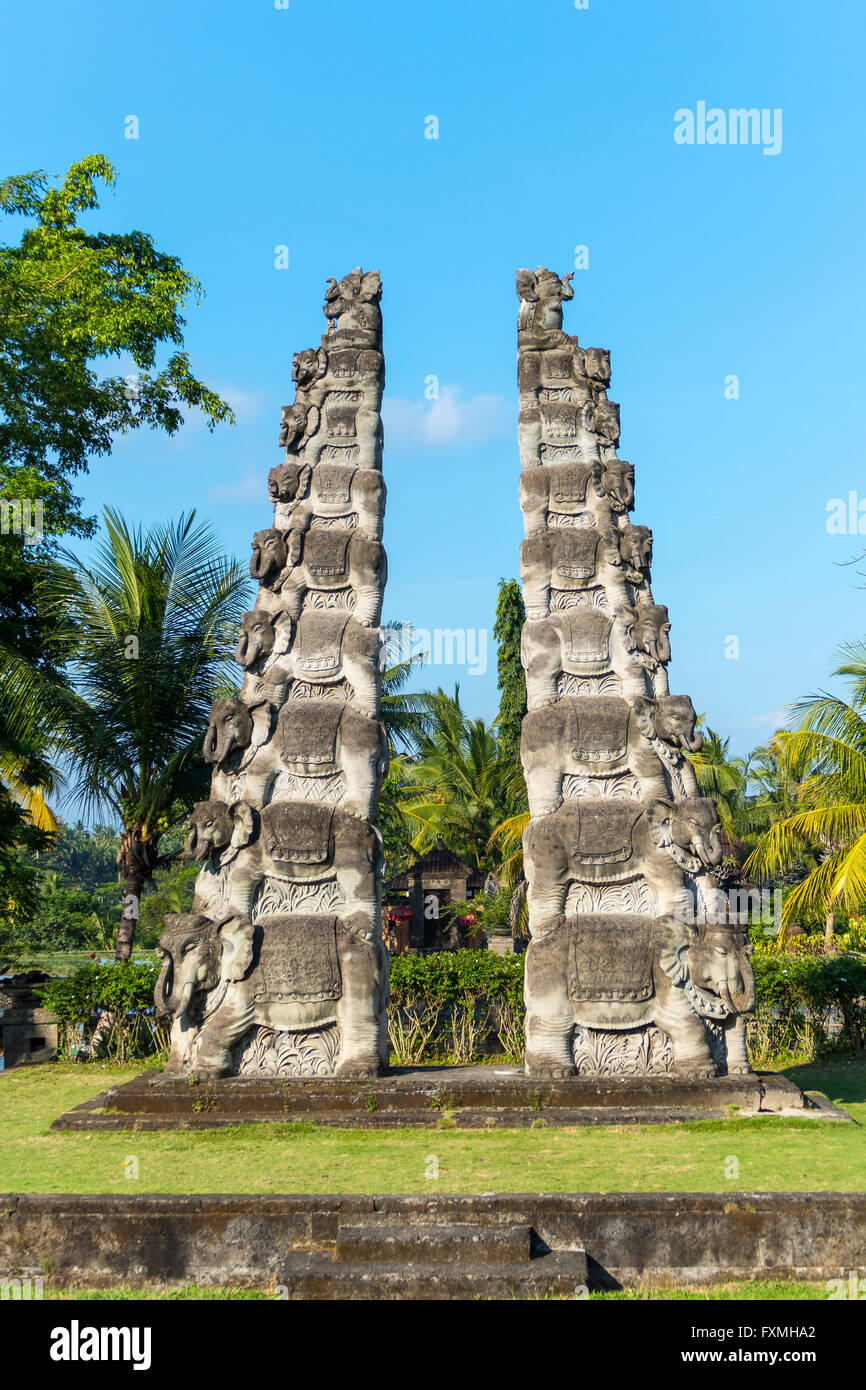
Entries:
{"x":772,"y":1154}
{"x":125,"y":1293}
{"x":751,"y":1291}
{"x":63,"y":963}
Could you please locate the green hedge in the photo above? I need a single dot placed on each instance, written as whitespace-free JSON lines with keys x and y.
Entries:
{"x":807,"y":1004}
{"x":449,"y":977}
{"x":107,"y":1009}
{"x":462,"y":1005}
{"x":459,"y":1005}
{"x":456,"y":1006}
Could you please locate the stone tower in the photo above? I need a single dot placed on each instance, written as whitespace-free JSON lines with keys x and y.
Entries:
{"x":280,"y":969}
{"x":632,"y":968}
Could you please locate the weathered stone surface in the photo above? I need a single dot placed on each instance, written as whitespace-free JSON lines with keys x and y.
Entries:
{"x":290,"y":1242}
{"x":388,"y":1239}
{"x":280,"y":968}
{"x":28,"y":1032}
{"x":468,"y":1097}
{"x":626,"y":972}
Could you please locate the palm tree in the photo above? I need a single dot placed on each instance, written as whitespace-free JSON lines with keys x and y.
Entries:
{"x":404,"y":714}
{"x":462,"y":785}
{"x":775,"y":782}
{"x":147,"y":635}
{"x":26,"y":774}
{"x":726,"y":779}
{"x":824,"y":799}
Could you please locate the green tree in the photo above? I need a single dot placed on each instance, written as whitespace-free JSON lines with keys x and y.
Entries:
{"x":404,"y":713}
{"x":149,"y":631}
{"x":19,"y":880}
{"x":510,"y":617}
{"x":83,"y":858}
{"x":775,"y":784}
{"x":726,"y":779}
{"x":461,"y":786}
{"x":70,"y":299}
{"x":824,"y":769}
{"x":405,"y":716}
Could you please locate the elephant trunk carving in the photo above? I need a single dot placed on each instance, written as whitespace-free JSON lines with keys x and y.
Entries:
{"x":168,"y":1001}
{"x":619,"y":837}
{"x":279,"y":968}
{"x":738,"y":995}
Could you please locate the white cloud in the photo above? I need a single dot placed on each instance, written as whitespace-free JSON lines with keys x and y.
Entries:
{"x":245,"y":404}
{"x":448,"y":420}
{"x":773,"y":719}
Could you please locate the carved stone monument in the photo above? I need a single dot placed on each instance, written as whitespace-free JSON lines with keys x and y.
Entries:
{"x":632,"y":968}
{"x":280,"y":970}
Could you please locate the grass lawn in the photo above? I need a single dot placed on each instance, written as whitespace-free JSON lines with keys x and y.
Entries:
{"x":771,"y":1154}
{"x":753,"y":1291}
{"x":63,"y":963}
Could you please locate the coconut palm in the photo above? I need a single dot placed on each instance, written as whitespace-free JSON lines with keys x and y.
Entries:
{"x":404,"y":714}
{"x":726,"y":780}
{"x":462,"y":785}
{"x":146,"y":636}
{"x":824,"y":762}
{"x":775,"y":784}
{"x":26,"y":773}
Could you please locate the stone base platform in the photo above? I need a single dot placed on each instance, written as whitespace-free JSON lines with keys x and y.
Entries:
{"x":437,"y":1097}
{"x":466,"y":1246}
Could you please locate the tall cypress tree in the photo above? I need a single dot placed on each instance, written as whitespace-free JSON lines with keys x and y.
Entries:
{"x":510,"y":617}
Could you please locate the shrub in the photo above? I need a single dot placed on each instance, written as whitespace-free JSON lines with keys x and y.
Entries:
{"x":453,"y":1004}
{"x":456,"y":1005}
{"x":807,"y":1004}
{"x":459,"y":1006}
{"x":110,"y":1007}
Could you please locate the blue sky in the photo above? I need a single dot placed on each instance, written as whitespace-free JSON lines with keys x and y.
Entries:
{"x":305,"y":127}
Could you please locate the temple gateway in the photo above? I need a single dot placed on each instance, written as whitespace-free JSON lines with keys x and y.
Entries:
{"x":280,"y":970}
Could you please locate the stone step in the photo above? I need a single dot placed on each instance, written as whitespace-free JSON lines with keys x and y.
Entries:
{"x":390,"y":1238}
{"x":433,"y":1097}
{"x":501,"y":1118}
{"x":315,"y":1277}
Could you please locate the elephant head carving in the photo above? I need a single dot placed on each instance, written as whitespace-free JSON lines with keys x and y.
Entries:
{"x":636,"y":552}
{"x":689,"y":831}
{"x":215,"y":827}
{"x":616,"y":484}
{"x":719,"y":965}
{"x":596,"y":364}
{"x":670,"y":718}
{"x":604,"y":420}
{"x":256,"y":640}
{"x":289,"y":481}
{"x":269,"y":554}
{"x":355,"y":299}
{"x":541,"y":295}
{"x":197,"y":954}
{"x":650,"y":627}
{"x":308,"y":366}
{"x":230,"y":728}
{"x":298,"y":423}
